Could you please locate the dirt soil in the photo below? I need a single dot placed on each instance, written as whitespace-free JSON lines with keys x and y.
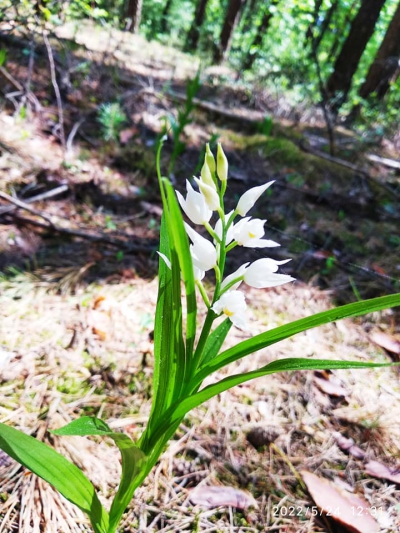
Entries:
{"x":78,"y":290}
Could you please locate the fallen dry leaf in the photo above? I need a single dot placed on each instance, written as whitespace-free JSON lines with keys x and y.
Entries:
{"x":386,"y":341}
{"x":348,"y":509}
{"x":220,"y":496}
{"x":126,"y":135}
{"x":330,"y":387}
{"x":381,"y":471}
{"x":348,"y":445}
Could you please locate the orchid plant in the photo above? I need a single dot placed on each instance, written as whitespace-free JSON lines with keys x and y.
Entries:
{"x":184,"y":355}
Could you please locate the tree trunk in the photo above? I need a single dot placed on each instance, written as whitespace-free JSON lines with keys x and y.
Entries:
{"x":164,"y":16}
{"x":346,"y":63}
{"x":343,"y":27}
{"x":255,"y":46}
{"x":231,"y":20}
{"x":134,"y":14}
{"x":386,"y":63}
{"x":194,"y":32}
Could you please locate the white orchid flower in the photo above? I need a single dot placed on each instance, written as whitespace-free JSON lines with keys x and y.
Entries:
{"x":195,"y":205}
{"x":261,"y":274}
{"x":239,"y":273}
{"x":218,"y":230}
{"x":248,"y":232}
{"x":233,"y":305}
{"x":198,"y":274}
{"x":204,"y":254}
{"x":209,"y":193}
{"x":250,"y":197}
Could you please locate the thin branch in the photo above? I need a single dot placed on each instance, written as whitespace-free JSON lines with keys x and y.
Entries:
{"x":37,"y":198}
{"x":20,"y":88}
{"x":26,"y":207}
{"x":93,"y":237}
{"x":346,"y":164}
{"x":330,"y":126}
{"x":51,"y":225}
{"x":56,"y":89}
{"x":72,"y":134}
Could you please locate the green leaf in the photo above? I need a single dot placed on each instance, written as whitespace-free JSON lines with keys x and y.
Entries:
{"x":83,"y":427}
{"x":215,"y":340}
{"x":179,"y":237}
{"x":283,"y":365}
{"x":56,"y":470}
{"x":288,"y":330}
{"x":133,"y":461}
{"x":169,"y":349}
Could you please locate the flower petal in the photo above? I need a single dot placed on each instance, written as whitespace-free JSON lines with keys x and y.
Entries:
{"x":204,"y":253}
{"x":233,"y":305}
{"x":250,"y":197}
{"x":165,"y":259}
{"x":194,"y":206}
{"x":218,"y":229}
{"x":239,"y":273}
{"x":261,"y":274}
{"x":248,"y":232}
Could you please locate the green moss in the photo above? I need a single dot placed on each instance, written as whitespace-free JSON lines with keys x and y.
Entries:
{"x":283,"y":151}
{"x":244,"y":142}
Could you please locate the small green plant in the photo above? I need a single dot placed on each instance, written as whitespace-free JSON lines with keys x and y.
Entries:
{"x":111,"y":118}
{"x":177,"y":125}
{"x":183,"y":356}
{"x":265,"y":127}
{"x":3,"y":56}
{"x":110,"y":224}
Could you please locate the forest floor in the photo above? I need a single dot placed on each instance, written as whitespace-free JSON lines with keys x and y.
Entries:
{"x":78,"y":293}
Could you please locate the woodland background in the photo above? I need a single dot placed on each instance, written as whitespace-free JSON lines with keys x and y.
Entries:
{"x":302,"y":92}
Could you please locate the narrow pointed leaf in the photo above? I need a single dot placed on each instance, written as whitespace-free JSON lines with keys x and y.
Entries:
{"x":54,"y":468}
{"x":215,"y":341}
{"x":167,"y":326}
{"x":181,"y":243}
{"x":133,"y":460}
{"x":288,"y":330}
{"x":283,"y":365}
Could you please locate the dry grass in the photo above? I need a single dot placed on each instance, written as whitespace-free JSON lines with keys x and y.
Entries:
{"x":90,"y":353}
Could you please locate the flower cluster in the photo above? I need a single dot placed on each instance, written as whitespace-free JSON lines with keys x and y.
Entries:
{"x":226,"y":234}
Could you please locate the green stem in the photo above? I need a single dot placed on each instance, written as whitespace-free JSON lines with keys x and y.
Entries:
{"x":211,"y":316}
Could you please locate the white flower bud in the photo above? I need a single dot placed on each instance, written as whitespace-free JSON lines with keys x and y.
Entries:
{"x":209,"y":193}
{"x":209,"y":159}
{"x":250,"y":197}
{"x":222,"y":164}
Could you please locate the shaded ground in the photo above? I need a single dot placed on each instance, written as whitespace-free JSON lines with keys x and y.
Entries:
{"x":340,"y":227}
{"x":76,"y":314}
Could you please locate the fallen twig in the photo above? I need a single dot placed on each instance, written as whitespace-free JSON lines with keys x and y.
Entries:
{"x":26,"y":207}
{"x":20,"y":88}
{"x":93,"y":237}
{"x":43,"y":196}
{"x":350,"y":166}
{"x":384,"y":161}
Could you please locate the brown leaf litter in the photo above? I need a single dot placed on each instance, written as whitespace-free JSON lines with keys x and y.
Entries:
{"x":110,"y":375}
